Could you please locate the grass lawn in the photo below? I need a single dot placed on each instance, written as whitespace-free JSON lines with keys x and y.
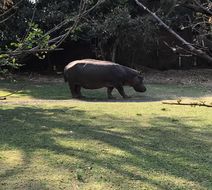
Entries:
{"x":48,"y":141}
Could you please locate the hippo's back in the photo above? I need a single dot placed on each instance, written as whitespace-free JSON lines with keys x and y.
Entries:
{"x":89,"y":62}
{"x":91,"y":73}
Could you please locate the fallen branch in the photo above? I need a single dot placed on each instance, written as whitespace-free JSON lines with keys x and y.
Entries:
{"x":12,"y":93}
{"x":188,"y":104}
{"x":15,"y":91}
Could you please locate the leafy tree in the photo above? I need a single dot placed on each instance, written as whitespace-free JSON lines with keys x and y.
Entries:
{"x":31,"y":38}
{"x":114,"y":27}
{"x":200,"y":10}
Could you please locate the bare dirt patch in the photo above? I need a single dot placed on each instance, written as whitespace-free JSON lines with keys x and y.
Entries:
{"x":201,"y":77}
{"x":186,"y":77}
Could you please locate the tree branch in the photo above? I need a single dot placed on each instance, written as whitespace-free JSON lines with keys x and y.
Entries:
{"x":30,"y":51}
{"x":188,"y":45}
{"x":82,"y":12}
{"x":196,"y":6}
{"x":13,"y":7}
{"x":59,"y":39}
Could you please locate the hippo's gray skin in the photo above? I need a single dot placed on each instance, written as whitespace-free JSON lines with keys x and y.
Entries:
{"x":94,"y":74}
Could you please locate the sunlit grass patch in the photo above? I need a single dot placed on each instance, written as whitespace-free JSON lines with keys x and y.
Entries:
{"x":10,"y":159}
{"x":104,"y":145}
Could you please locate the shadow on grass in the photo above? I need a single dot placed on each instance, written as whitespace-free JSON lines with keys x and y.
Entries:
{"x":168,"y":147}
{"x":60,"y":91}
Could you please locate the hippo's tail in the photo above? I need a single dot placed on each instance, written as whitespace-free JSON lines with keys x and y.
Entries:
{"x":65,"y":78}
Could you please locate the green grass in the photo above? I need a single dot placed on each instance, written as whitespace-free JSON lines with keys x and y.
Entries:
{"x":60,"y":91}
{"x":104,"y":145}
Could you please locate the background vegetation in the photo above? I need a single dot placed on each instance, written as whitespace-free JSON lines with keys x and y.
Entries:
{"x":114,"y":30}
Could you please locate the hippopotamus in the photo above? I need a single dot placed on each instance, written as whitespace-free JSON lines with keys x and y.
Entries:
{"x":94,"y":74}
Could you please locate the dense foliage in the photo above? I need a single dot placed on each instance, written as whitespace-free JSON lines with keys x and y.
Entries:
{"x":114,"y":28}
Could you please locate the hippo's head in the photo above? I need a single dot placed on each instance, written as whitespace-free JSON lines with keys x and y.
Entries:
{"x":138,"y":84}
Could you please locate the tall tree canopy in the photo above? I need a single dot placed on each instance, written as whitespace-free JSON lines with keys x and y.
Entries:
{"x":113,"y":28}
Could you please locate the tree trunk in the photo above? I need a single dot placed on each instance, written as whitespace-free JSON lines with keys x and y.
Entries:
{"x":114,"y":50}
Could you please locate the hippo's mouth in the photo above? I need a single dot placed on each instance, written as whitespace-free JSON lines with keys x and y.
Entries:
{"x":140,"y":89}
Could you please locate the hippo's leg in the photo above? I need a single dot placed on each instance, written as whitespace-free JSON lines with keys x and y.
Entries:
{"x":109,"y":93}
{"x":121,"y":91}
{"x":78,"y":91}
{"x":73,"y":90}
